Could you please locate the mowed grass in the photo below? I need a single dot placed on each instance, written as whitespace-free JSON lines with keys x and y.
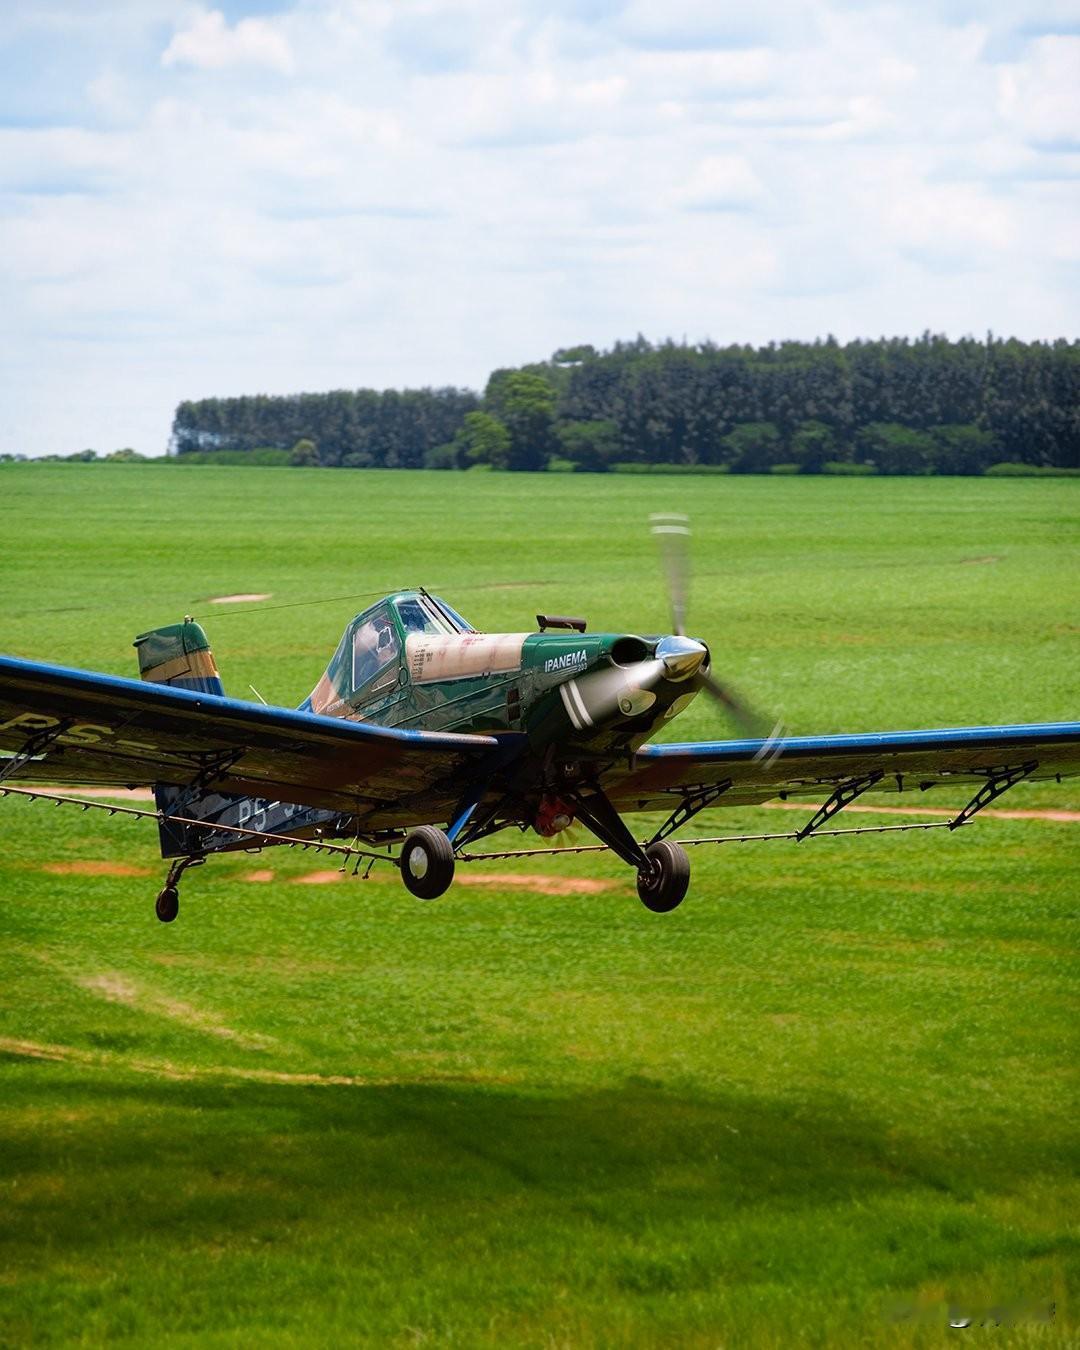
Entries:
{"x":835,"y":1085}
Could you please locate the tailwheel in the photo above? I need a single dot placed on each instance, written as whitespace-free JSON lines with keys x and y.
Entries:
{"x":664,"y":887}
{"x":427,"y":862}
{"x":167,"y":905}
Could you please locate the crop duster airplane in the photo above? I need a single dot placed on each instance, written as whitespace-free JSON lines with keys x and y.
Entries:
{"x":424,"y":736}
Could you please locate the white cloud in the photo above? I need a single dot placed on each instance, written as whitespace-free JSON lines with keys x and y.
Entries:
{"x":210,"y":44}
{"x":722,"y":182}
{"x":703,"y":25}
{"x":955,"y":225}
{"x":1041,"y":93}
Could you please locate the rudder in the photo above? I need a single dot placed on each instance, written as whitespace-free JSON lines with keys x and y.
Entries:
{"x":179,"y":655}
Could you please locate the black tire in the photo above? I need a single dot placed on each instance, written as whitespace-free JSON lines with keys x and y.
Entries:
{"x":664,"y":888}
{"x":167,"y":905}
{"x":427,"y":862}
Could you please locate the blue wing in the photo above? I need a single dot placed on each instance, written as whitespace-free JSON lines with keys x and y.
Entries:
{"x":758,"y":770}
{"x":61,"y":725}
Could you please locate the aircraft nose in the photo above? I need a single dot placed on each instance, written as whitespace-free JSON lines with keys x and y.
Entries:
{"x":681,"y":656}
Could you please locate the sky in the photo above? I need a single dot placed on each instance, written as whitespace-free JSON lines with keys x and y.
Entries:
{"x":269,"y":196}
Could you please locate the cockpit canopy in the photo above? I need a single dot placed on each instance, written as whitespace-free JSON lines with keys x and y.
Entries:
{"x":419,"y":612}
{"x":370,"y":656}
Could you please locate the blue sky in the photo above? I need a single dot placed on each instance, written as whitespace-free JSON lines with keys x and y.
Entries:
{"x":268,"y":197}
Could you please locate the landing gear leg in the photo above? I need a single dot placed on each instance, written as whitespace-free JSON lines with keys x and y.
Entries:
{"x":167,"y":905}
{"x":663,"y":869}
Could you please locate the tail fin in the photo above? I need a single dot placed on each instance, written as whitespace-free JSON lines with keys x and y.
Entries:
{"x":179,"y":655}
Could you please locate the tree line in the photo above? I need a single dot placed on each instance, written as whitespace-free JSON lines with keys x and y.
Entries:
{"x":892,"y":405}
{"x":349,"y":428}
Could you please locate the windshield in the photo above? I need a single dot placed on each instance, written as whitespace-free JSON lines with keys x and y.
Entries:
{"x":462,"y":625}
{"x":374,"y":647}
{"x":422,"y":614}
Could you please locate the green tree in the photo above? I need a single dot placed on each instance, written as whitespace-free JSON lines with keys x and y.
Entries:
{"x":812,"y":445}
{"x":896,"y":449}
{"x":442,"y":457}
{"x":305,"y":455}
{"x":482,"y":439}
{"x":525,"y":404}
{"x":592,"y":446}
{"x":754,"y":447}
{"x":962,"y":449}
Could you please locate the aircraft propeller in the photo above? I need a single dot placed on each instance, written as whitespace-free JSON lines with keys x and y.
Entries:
{"x":672,"y":534}
{"x":630,"y":689}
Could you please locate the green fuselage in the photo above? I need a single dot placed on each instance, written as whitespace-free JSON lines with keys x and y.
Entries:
{"x":569,"y":691}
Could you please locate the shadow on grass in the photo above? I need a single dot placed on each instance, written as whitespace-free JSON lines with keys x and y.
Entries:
{"x":324,"y":1214}
{"x":198,"y":1154}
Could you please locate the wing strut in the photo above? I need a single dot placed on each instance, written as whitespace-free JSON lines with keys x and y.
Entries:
{"x":991,"y":789}
{"x":34,"y":747}
{"x":688,"y":808}
{"x":844,"y":795}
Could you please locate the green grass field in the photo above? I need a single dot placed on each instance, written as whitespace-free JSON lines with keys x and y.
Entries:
{"x":837,"y":1084}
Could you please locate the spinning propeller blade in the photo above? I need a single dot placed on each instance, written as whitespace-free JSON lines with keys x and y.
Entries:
{"x":672,"y":534}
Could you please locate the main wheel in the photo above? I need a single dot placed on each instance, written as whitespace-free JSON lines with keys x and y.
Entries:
{"x":664,"y":888}
{"x":427,"y":862}
{"x":167,"y":905}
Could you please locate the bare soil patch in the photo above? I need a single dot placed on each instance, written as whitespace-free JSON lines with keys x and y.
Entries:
{"x":111,"y":986}
{"x":89,"y":868}
{"x":240,"y":597}
{"x":119,"y":793}
{"x":538,"y":883}
{"x":260,"y":874}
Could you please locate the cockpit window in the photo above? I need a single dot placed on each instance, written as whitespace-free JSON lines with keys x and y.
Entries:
{"x":423,"y":614}
{"x":462,"y":625}
{"x":374,"y":647}
{"x":416,"y":617}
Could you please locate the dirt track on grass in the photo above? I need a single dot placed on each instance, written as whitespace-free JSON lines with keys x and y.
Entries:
{"x":162,"y":1068}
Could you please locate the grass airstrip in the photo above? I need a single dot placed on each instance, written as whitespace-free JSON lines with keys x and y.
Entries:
{"x":825,"y":1101}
